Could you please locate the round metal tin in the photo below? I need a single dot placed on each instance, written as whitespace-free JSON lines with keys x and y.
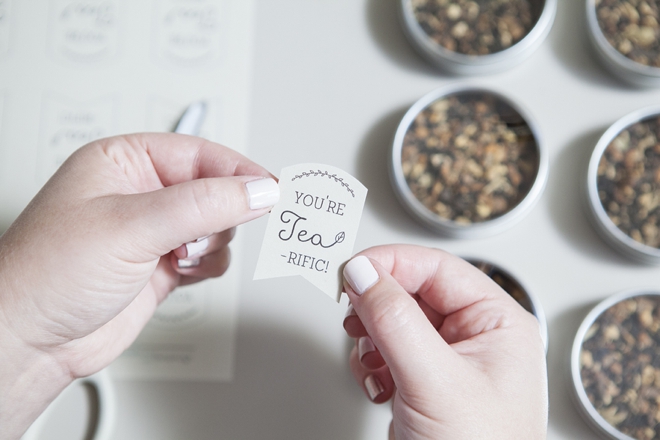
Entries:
{"x":618,"y":64}
{"x":587,"y":410}
{"x":445,"y":226}
{"x":614,"y":236}
{"x":461,"y":64}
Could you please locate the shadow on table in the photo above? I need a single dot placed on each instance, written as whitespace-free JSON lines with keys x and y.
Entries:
{"x":577,"y":54}
{"x":568,"y":201}
{"x":285,"y":387}
{"x":302,"y":388}
{"x":564,"y":417}
{"x":385,"y":28}
{"x":373,"y":171}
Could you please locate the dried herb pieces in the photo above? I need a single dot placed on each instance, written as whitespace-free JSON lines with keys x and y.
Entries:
{"x":620,"y":366}
{"x":631,"y":27}
{"x":478,"y":27}
{"x":469,"y":157}
{"x":629,"y":181}
{"x":507,"y":283}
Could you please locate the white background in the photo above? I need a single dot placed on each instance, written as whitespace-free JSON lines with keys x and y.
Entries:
{"x":331,"y":80}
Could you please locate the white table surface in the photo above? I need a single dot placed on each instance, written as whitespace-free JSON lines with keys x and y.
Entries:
{"x":331,"y":80}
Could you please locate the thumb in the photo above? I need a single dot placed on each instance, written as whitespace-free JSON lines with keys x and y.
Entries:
{"x":408,"y":342}
{"x":166,"y":218}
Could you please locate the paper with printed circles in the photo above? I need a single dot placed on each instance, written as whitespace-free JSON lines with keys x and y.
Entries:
{"x":312,"y":229}
{"x":75,"y":71}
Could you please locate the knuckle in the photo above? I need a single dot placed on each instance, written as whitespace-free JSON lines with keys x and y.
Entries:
{"x":213,"y":200}
{"x":392,"y":313}
{"x":204,"y":201}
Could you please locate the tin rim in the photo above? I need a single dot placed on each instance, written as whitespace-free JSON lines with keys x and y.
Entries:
{"x":490,"y":62}
{"x":537,"y":309}
{"x":623,"y":65}
{"x":589,"y":413}
{"x":448,"y":227}
{"x":614,"y":236}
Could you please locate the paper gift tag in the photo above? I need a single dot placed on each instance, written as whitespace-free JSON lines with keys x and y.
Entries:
{"x":312,"y":229}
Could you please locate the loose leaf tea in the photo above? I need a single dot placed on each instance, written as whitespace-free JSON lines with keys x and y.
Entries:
{"x":469,"y":157}
{"x":631,"y":27}
{"x":629,"y":181}
{"x":478,"y":27}
{"x":620,"y":366}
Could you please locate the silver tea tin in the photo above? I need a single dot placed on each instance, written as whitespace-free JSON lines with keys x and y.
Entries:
{"x":614,"y":236}
{"x":448,"y":227}
{"x":618,"y":64}
{"x":586,"y":408}
{"x":529,"y":302}
{"x":462,"y":64}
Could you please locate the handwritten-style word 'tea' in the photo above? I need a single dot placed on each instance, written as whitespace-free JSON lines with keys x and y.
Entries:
{"x":315,"y":239}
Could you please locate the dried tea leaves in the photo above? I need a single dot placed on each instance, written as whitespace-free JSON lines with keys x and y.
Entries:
{"x":469,"y":157}
{"x":631,"y":27}
{"x":629,"y":182}
{"x":478,"y":27}
{"x":620,"y":366}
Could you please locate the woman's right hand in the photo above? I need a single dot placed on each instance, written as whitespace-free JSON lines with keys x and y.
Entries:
{"x":111,"y":234}
{"x":460,"y":358}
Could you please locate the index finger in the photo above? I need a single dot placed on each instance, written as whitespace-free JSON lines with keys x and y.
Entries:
{"x":178,"y":158}
{"x":444,"y":281}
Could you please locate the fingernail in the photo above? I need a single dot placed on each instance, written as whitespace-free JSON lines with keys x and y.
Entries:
{"x":373,"y":386}
{"x":262,"y":193}
{"x":196,"y":247}
{"x":185,"y":264}
{"x":351,"y":315}
{"x":365,"y":346}
{"x":360,"y":274}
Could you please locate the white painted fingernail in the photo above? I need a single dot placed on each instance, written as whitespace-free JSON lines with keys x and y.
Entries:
{"x":373,"y":386}
{"x":196,"y":247}
{"x":360,"y":274}
{"x":186,"y":264}
{"x":365,"y":346}
{"x":263,"y":193}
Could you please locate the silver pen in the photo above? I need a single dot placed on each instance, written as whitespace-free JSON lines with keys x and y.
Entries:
{"x":192,"y":119}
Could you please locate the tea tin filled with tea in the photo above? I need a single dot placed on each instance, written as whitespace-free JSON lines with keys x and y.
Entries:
{"x":623,"y":185}
{"x":615,"y":366}
{"x":513,"y":287}
{"x":624,"y":33}
{"x":476,"y":37}
{"x":467,"y":162}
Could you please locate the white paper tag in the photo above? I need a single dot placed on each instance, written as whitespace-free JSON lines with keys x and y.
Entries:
{"x":312,"y":229}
